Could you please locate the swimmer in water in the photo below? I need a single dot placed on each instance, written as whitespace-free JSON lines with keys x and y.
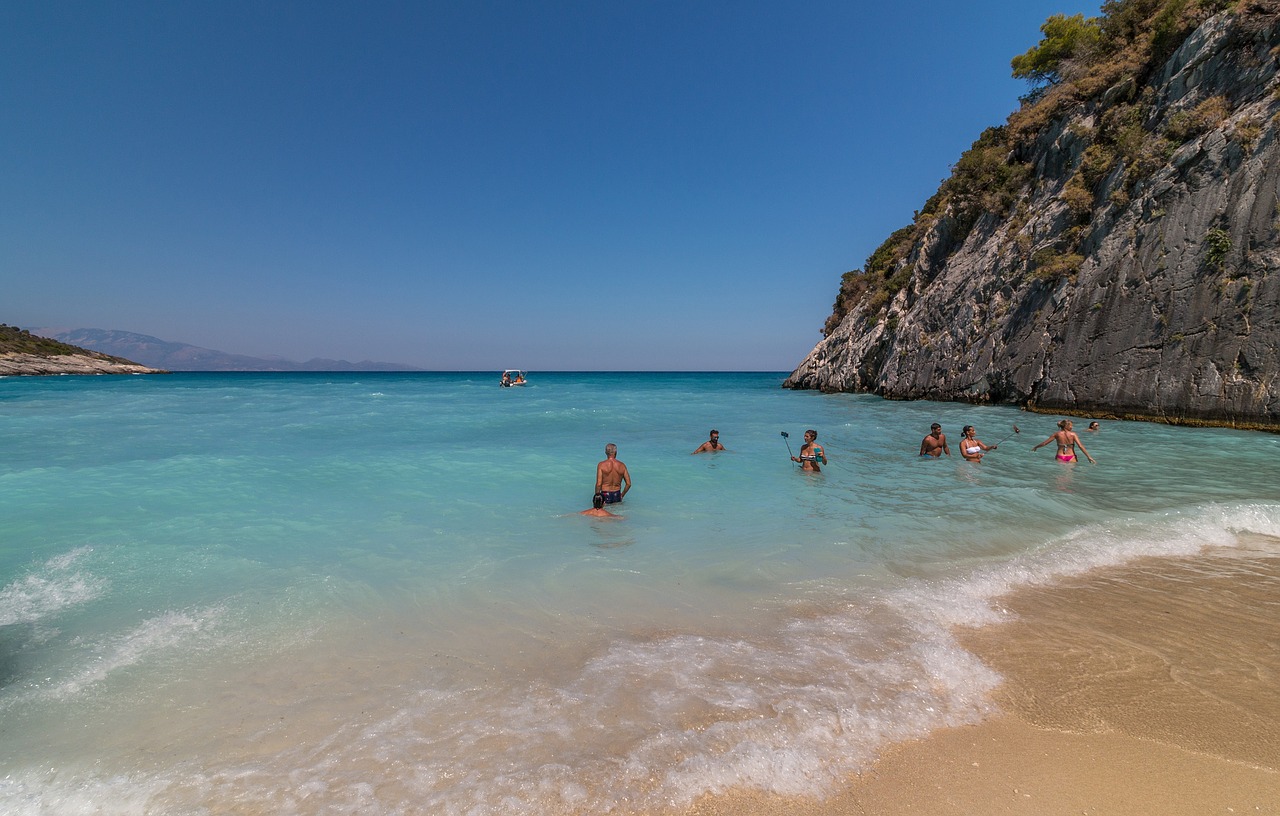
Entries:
{"x":597,"y":508}
{"x":711,"y":445}
{"x":935,"y":444}
{"x":971,"y":448}
{"x":810,"y":453}
{"x":1067,"y":440}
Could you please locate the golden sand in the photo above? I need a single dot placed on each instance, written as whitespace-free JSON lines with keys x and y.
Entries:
{"x":1149,"y":690}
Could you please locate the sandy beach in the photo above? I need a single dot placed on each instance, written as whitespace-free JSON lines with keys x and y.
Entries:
{"x":1150,"y":689}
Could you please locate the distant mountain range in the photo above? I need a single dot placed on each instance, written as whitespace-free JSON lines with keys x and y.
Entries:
{"x":157,"y":353}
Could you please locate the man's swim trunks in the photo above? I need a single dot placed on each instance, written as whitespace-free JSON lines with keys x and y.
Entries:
{"x":611,"y":496}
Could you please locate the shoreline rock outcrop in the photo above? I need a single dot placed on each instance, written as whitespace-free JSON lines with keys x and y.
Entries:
{"x":1130,"y":267}
{"x":39,"y":365}
{"x":25,"y":354}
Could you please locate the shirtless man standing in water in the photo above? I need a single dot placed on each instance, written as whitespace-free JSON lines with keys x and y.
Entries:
{"x":1067,"y":441}
{"x":711,"y":445}
{"x":612,"y":479}
{"x":935,"y":444}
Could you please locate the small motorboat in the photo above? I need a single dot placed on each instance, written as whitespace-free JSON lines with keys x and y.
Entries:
{"x":513,"y":376}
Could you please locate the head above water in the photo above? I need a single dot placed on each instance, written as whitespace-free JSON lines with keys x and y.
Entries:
{"x":597,"y":501}
{"x":611,"y":450}
{"x":810,"y":434}
{"x":935,"y":427}
{"x":714,"y":434}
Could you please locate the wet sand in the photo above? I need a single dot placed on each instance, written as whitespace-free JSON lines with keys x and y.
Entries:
{"x":1151,"y":689}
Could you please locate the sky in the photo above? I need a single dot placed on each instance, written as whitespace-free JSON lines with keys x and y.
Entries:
{"x":553,"y":185}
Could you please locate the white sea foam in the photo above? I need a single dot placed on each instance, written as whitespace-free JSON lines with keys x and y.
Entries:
{"x":50,"y":589}
{"x":967,"y":601}
{"x":649,"y":725}
{"x":189,"y":631}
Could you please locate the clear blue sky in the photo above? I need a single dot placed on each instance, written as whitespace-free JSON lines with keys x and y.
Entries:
{"x":484,"y":183}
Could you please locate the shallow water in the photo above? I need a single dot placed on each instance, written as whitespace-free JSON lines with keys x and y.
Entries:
{"x":373,"y":593}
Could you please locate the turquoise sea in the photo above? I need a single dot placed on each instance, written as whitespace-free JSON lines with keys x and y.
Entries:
{"x":373,"y":593}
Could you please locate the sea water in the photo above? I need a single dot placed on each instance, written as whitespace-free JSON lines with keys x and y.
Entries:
{"x":374,"y":594}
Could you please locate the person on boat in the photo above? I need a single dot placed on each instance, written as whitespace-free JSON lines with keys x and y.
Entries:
{"x":519,"y":378}
{"x":711,"y":445}
{"x":597,"y":508}
{"x":810,"y":452}
{"x":1067,"y":440}
{"x":506,"y":379}
{"x":935,"y":444}
{"x":971,"y":448}
{"x":613,"y":480}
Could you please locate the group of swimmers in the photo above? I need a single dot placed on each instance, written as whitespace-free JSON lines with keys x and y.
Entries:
{"x":973,"y":449}
{"x":613,"y":480}
{"x":811,"y":453}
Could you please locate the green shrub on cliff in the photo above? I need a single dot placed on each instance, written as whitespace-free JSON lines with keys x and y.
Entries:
{"x":1186,"y":125}
{"x":879,"y":279}
{"x":1065,"y":38}
{"x":14,"y":340}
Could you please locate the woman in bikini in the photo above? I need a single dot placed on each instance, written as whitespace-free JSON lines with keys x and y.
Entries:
{"x":810,"y":453}
{"x":1067,"y":441}
{"x":970,"y":447}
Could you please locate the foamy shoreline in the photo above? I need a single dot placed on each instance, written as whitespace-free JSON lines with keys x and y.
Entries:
{"x":1143,"y":689}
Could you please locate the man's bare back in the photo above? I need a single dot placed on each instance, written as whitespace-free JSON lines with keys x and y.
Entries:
{"x":612,"y":477}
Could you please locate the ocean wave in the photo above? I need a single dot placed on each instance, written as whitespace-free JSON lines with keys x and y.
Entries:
{"x":165,"y":632}
{"x":53,"y":587}
{"x":648,"y":724}
{"x":969,"y":600}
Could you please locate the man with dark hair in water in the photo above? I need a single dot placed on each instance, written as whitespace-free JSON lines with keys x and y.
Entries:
{"x":712,"y":444}
{"x":597,"y":508}
{"x":612,"y":478}
{"x":935,"y":444}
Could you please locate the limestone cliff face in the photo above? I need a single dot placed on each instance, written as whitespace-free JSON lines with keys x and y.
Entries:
{"x":1158,"y":298}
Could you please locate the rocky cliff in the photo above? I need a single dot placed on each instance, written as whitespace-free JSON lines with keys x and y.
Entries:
{"x":23,"y":353}
{"x":1112,"y":250}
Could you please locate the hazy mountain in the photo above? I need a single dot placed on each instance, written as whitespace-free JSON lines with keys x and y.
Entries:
{"x":157,"y":353}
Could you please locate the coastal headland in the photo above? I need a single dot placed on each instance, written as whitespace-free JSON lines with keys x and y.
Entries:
{"x":26,"y":354}
{"x":1111,"y":250}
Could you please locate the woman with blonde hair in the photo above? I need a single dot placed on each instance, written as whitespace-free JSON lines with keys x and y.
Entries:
{"x":1067,"y":440}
